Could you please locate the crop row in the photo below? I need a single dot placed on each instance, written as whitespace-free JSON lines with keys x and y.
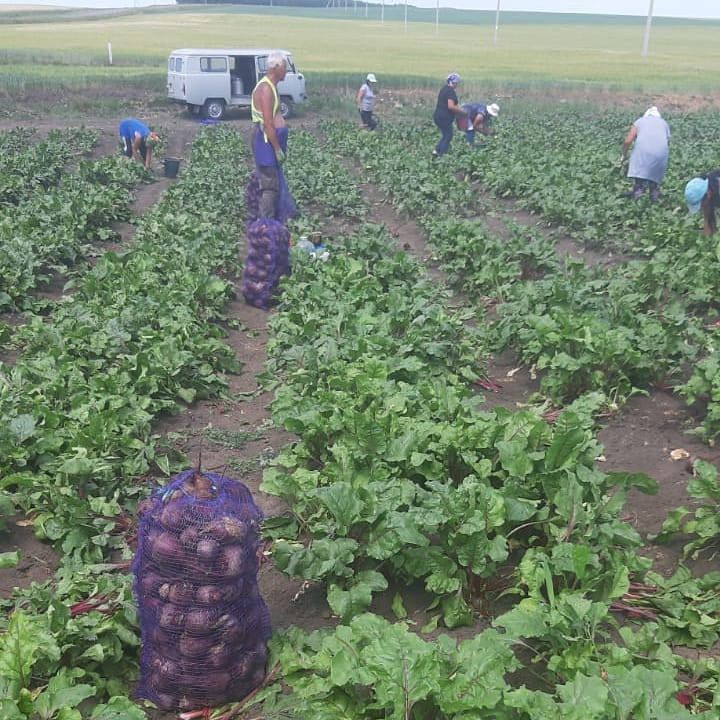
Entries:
{"x":139,"y":336}
{"x":49,"y":231}
{"x":616,"y":329}
{"x":563,"y":165}
{"x":27,"y":167}
{"x":399,"y":479}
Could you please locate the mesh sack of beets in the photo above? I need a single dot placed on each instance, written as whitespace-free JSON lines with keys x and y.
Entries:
{"x":203,"y":624}
{"x":252,"y":198}
{"x":266,"y":262}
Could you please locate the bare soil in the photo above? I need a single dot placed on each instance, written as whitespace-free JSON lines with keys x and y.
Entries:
{"x":38,"y":560}
{"x":639,"y":438}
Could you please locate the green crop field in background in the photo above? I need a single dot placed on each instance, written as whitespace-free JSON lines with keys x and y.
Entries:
{"x":336,"y":45}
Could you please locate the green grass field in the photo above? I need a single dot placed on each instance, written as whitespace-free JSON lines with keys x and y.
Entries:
{"x":533,"y":50}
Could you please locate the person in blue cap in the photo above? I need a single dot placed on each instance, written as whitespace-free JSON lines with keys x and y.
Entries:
{"x":137,"y":140}
{"x":445,"y":111}
{"x":703,"y":193}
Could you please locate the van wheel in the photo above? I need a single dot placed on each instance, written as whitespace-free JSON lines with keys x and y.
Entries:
{"x":214,"y":109}
{"x":286,"y":107}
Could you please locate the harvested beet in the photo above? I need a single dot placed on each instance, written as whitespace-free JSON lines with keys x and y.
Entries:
{"x":266,"y":262}
{"x":200,"y":609}
{"x":207,"y":549}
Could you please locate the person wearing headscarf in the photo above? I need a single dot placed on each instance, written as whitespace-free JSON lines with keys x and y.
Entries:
{"x":445,"y":111}
{"x":479,"y":119}
{"x":366,"y":101}
{"x":703,"y":193}
{"x":649,"y":158}
{"x":137,"y":140}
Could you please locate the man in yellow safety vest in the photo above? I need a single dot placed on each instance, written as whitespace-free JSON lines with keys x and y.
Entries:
{"x":269,"y":139}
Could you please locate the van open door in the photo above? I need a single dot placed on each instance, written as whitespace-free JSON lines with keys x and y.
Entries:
{"x":243,"y":77}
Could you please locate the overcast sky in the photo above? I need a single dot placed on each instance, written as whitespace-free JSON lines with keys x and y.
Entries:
{"x":671,"y":8}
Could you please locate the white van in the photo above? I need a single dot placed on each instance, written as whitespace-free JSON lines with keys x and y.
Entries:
{"x":209,"y":80}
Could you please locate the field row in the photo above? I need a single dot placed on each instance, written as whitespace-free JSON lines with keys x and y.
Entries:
{"x":617,"y":328}
{"x":138,"y":337}
{"x":400,"y":484}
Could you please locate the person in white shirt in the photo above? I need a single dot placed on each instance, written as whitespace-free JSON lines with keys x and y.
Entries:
{"x":366,"y":101}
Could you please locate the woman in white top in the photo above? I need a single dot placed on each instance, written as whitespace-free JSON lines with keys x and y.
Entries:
{"x":649,"y":158}
{"x":366,"y":102}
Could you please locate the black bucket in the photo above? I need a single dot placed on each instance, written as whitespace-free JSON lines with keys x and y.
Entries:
{"x":172,"y":167}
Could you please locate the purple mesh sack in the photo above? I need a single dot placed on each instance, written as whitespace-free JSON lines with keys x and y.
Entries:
{"x":203,"y":623}
{"x":266,"y":262}
{"x":252,"y":198}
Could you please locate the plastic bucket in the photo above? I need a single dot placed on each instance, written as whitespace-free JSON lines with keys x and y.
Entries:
{"x":172,"y":167}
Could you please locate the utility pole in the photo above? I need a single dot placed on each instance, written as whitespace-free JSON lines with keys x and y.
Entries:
{"x":382,"y":12}
{"x":646,"y":39}
{"x":497,"y":22}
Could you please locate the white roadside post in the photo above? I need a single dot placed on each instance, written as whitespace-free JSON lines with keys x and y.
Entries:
{"x":437,"y":17}
{"x":646,"y":39}
{"x":497,"y":22}
{"x":109,"y":53}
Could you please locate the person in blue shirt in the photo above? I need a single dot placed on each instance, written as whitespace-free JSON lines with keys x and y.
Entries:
{"x":703,"y":193}
{"x":479,"y":119}
{"x":137,"y":140}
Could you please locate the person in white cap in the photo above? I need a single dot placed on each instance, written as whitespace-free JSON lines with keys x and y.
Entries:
{"x":479,"y":119}
{"x":703,"y":193}
{"x":649,"y":158}
{"x":366,"y":101}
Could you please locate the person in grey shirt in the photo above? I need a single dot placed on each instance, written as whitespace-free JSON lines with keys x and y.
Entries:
{"x":366,"y":102}
{"x":649,"y":158}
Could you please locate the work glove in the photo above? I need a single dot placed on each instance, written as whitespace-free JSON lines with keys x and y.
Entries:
{"x":280,"y":156}
{"x":621,"y":161}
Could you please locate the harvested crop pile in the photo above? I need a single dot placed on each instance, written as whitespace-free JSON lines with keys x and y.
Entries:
{"x":268,"y":243}
{"x":252,"y":198}
{"x":203,"y":623}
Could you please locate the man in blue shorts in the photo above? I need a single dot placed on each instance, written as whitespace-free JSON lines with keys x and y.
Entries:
{"x":137,"y":140}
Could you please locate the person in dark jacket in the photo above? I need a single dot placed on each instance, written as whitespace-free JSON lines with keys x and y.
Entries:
{"x":703,"y":193}
{"x":445,"y":111}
